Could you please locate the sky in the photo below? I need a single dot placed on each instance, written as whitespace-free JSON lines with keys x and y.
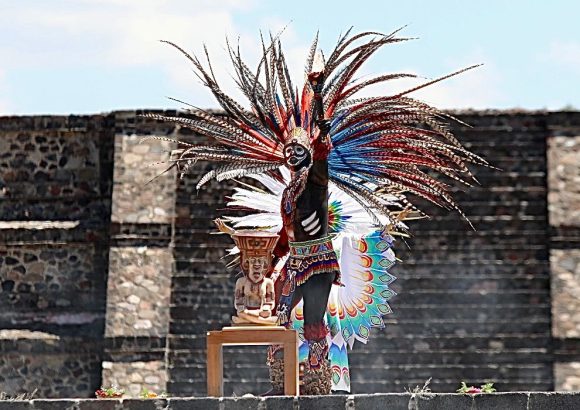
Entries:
{"x":93,"y":56}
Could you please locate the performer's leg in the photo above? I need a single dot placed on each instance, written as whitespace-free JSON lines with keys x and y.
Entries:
{"x":296,"y":299}
{"x":317,"y":373}
{"x":315,"y":292}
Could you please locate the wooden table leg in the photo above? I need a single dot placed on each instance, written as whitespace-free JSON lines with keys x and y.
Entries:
{"x":215,"y":382}
{"x":291,"y":369}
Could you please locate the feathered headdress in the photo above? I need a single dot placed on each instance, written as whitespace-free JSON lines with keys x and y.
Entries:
{"x":382,"y":146}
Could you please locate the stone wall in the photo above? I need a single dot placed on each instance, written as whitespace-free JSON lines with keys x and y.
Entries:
{"x":202,"y":290}
{"x":55,"y":199}
{"x":138,"y":301}
{"x":140,"y":259}
{"x":92,"y":256}
{"x":473,"y":305}
{"x":55,"y":168}
{"x":135,"y":376}
{"x":392,"y":401}
{"x":48,"y":277}
{"x":564,"y":213}
{"x":52,"y":366}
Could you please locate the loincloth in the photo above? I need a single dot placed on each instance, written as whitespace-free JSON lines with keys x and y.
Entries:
{"x":310,"y":258}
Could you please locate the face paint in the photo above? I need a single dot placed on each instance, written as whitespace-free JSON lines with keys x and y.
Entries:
{"x":296,"y":152}
{"x":296,"y":156}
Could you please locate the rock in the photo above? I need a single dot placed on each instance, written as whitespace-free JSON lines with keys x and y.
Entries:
{"x":148,"y":314}
{"x":131,"y":158}
{"x":143,"y":324}
{"x":133,"y":299}
{"x":142,"y":148}
{"x":152,"y":379}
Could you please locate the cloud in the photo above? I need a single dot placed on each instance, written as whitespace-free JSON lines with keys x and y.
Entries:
{"x":123,"y":34}
{"x":112,"y":32}
{"x":478,"y":88}
{"x":178,"y":68}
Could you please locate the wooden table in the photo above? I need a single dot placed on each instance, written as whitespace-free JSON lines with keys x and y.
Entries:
{"x":251,"y":335}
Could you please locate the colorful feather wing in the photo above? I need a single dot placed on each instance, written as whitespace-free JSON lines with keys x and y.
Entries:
{"x":363,"y":300}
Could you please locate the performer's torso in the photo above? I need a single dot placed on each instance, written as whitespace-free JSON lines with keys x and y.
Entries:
{"x":306,"y":217}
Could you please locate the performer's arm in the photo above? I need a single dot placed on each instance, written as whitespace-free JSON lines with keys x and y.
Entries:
{"x":318,"y":173}
{"x":282,"y":247}
{"x":321,"y":145}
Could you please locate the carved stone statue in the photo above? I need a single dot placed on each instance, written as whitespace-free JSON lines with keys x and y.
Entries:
{"x":254,"y":293}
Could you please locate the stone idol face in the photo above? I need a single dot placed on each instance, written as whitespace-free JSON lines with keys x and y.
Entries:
{"x":254,"y":297}
{"x":256,"y":249}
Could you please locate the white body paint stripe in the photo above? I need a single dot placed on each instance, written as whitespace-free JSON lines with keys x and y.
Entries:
{"x":312,"y":225}
{"x":314,"y":232}
{"x":309,"y":219}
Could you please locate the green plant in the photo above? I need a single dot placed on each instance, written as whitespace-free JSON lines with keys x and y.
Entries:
{"x":109,"y":393}
{"x":421,"y":390}
{"x":22,"y":396}
{"x":149,"y":394}
{"x":484,"y":388}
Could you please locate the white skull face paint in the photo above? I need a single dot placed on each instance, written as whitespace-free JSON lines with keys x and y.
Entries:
{"x":296,"y":156}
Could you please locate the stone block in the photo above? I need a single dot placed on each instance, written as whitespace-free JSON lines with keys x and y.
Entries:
{"x":395,"y":401}
{"x":55,"y":404}
{"x":205,"y":403}
{"x":512,"y":401}
{"x":332,"y":402}
{"x":441,"y":401}
{"x":565,"y":267}
{"x":134,"y":376}
{"x":554,"y":400}
{"x":240,"y":403}
{"x":563,"y":178}
{"x":281,"y":402}
{"x":138,"y":291}
{"x":100,"y":404}
{"x":144,"y":404}
{"x":133,"y":169}
{"x":567,"y":376}
{"x":15,"y":405}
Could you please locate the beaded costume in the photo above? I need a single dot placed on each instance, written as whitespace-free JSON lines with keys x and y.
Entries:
{"x":340,"y":170}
